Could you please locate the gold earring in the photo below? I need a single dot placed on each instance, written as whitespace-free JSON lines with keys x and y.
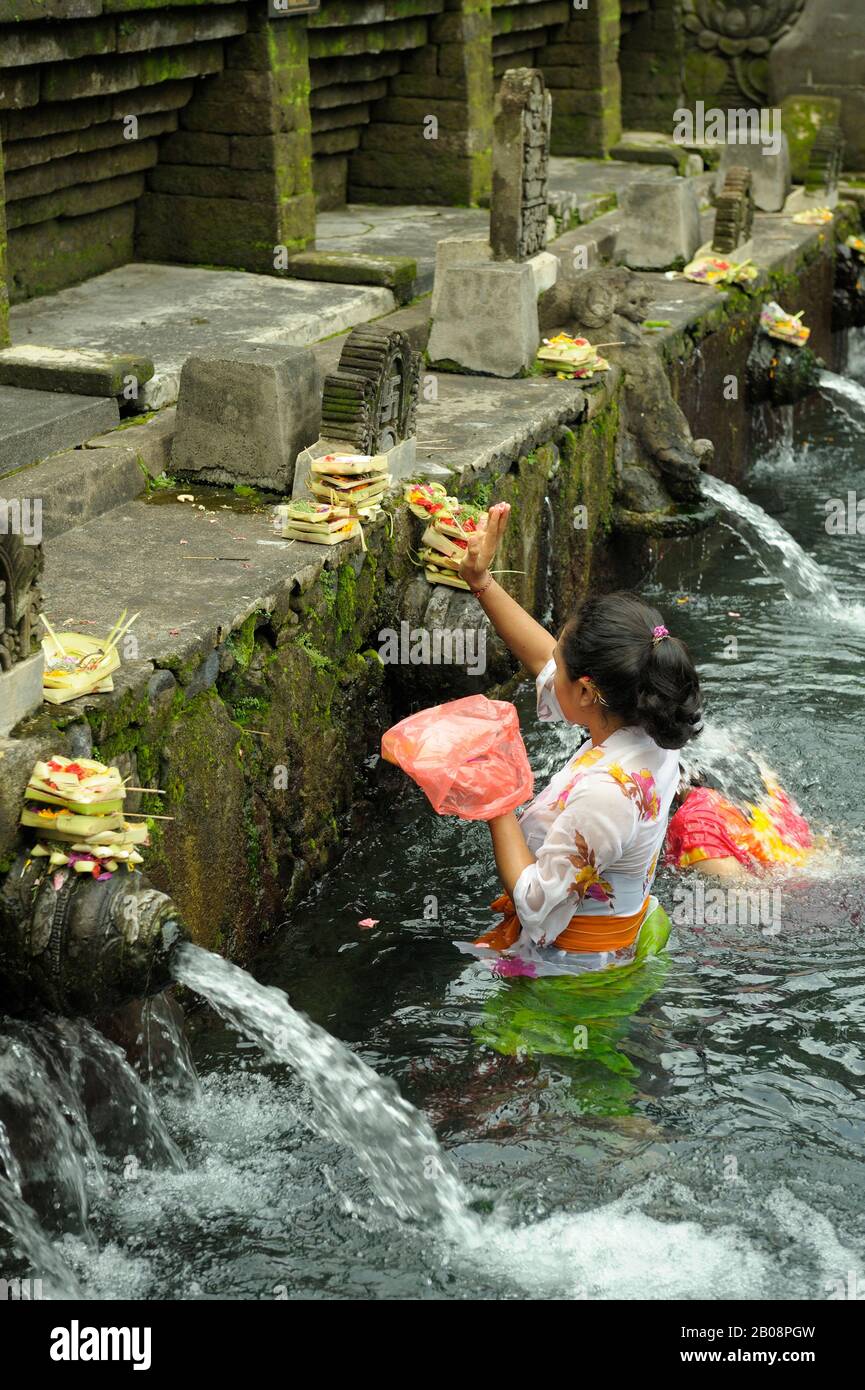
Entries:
{"x":599,"y":699}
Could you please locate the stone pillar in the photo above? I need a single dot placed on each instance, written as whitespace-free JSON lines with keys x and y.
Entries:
{"x":581,"y":68}
{"x":234,"y":184}
{"x":521,"y":143}
{"x":430,"y":139}
{"x":652,"y":58}
{"x":4,"y":290}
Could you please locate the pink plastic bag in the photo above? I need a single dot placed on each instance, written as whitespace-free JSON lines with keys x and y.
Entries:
{"x":467,"y":756}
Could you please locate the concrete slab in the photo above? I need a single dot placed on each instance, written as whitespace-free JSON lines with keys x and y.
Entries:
{"x":398,"y":231}
{"x":169,"y":312}
{"x":478,"y":422}
{"x":74,"y":371}
{"x":34,"y":424}
{"x":588,"y":179}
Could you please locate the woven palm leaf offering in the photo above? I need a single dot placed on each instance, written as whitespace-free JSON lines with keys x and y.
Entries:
{"x":445,"y":538}
{"x":716,"y":270}
{"x":76,"y":808}
{"x":318,"y":523}
{"x":813,"y":217}
{"x":346,"y":489}
{"x":360,"y":480}
{"x":787,"y":328}
{"x":77,"y":664}
{"x":569,"y":357}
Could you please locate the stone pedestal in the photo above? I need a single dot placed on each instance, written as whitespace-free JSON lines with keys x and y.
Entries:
{"x":770,"y":172}
{"x":458,"y":250}
{"x":243,"y":417}
{"x":20,"y":691}
{"x":487,"y":318}
{"x":660,"y":226}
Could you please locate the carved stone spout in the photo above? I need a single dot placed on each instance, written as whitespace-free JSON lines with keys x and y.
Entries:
{"x":78,"y":946}
{"x":661,"y":461}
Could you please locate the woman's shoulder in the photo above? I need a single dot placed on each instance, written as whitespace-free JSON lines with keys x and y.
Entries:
{"x":631,"y":766}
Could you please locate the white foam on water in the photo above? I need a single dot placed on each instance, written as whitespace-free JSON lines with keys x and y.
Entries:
{"x":614,"y":1253}
{"x":848,"y":390}
{"x":815,"y":1232}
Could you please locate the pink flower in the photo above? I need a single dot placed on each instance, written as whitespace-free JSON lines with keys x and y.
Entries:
{"x":512,"y":965}
{"x":368,"y":922}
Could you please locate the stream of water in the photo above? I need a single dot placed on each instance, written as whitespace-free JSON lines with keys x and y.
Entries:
{"x":376,"y":1118}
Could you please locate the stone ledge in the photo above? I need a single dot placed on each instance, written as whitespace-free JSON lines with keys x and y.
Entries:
{"x":150,"y":442}
{"x":395,"y":273}
{"x":35,"y":424}
{"x":78,"y":485}
{"x":74,"y":371}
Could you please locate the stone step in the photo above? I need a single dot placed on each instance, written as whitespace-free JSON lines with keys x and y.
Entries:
{"x":72,"y":488}
{"x":35,"y":424}
{"x":81,"y":484}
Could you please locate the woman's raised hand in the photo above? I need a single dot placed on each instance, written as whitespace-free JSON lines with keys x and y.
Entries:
{"x":483,"y":545}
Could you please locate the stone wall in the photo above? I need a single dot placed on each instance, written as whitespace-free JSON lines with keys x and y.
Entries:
{"x":234,"y":183}
{"x":581,"y":68}
{"x":354,"y":51}
{"x":651,"y":55}
{"x":200,"y":131}
{"x":430,"y":138}
{"x":82,"y":106}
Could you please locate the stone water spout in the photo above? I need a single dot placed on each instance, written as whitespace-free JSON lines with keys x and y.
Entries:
{"x":660,"y":463}
{"x":79,"y":946}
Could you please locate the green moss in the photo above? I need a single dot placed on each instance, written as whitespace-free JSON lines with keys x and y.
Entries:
{"x":317,"y":658}
{"x":241,"y":642}
{"x":346,"y":599}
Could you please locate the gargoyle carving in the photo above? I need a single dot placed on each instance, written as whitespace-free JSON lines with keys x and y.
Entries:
{"x":661,"y":461}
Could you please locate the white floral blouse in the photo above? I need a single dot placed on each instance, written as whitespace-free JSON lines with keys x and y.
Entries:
{"x":597,"y":831}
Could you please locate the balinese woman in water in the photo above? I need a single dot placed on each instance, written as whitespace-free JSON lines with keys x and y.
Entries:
{"x":578,"y":865}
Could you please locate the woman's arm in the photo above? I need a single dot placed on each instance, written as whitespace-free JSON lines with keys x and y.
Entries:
{"x":530,"y":643}
{"x":510,"y":849}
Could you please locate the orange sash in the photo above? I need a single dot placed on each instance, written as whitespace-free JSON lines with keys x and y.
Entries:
{"x":584,"y":932}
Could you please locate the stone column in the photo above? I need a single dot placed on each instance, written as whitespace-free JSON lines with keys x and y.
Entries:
{"x":652,"y":57}
{"x":430,"y":139}
{"x":581,"y":69}
{"x":4,"y":291}
{"x":234,"y":184}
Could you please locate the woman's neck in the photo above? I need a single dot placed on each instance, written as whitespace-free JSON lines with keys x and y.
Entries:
{"x":601,"y":726}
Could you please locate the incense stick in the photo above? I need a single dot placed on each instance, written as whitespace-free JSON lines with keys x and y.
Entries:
{"x":53,"y":635}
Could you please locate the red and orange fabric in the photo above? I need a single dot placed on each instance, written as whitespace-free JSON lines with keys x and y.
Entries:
{"x":584,"y":932}
{"x":709,"y":826}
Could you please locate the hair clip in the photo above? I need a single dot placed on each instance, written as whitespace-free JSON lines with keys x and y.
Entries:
{"x":659,"y":633}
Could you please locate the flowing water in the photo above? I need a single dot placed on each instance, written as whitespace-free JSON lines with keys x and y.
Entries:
{"x":376,"y":1118}
{"x":847,"y":390}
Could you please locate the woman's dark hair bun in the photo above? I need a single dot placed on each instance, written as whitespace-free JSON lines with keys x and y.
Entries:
{"x":650,"y":683}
